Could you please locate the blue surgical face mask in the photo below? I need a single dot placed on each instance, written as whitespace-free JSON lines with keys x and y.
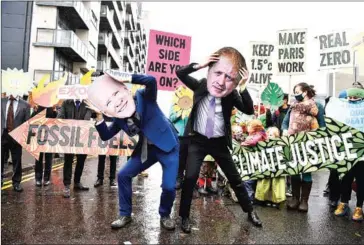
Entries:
{"x":299,"y":97}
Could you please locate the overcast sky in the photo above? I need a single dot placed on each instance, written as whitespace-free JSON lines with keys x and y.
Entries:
{"x":214,"y":25}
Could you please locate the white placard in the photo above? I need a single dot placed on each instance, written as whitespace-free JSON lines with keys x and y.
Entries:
{"x":335,"y":50}
{"x":291,"y":52}
{"x":260,"y":63}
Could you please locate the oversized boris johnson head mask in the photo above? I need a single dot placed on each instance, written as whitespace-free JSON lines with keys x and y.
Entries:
{"x":223,"y":76}
{"x":111,"y":97}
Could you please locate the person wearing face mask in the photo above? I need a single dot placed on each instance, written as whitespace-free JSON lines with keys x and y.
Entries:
{"x":209,"y":127}
{"x":73,"y":109}
{"x":341,"y":189}
{"x":304,"y":115}
{"x":158,"y":139}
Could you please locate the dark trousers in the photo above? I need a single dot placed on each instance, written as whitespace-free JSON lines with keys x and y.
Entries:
{"x":183,"y":151}
{"x":67,"y":168}
{"x":356,"y":172}
{"x":334,"y":185}
{"x":200,"y":146}
{"x":101,"y":167}
{"x":8,"y":143}
{"x":134,"y":166}
{"x":47,"y":167}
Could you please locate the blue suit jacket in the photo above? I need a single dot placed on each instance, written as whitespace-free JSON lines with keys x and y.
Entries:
{"x":154,"y":125}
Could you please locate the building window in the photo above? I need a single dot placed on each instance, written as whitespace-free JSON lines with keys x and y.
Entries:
{"x":92,"y":50}
{"x":94,"y":19}
{"x":61,"y":66}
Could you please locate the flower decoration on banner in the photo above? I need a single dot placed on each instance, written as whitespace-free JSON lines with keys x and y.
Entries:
{"x":16,"y":82}
{"x":182,"y":101}
{"x":272,"y":96}
{"x":46,"y":96}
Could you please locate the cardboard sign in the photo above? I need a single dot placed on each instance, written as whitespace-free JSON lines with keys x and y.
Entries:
{"x":167,"y":52}
{"x":335,"y":51}
{"x":337,"y":146}
{"x":76,"y":91}
{"x":351,"y":114}
{"x":261,"y":68}
{"x":40,"y":134}
{"x":292,"y":52}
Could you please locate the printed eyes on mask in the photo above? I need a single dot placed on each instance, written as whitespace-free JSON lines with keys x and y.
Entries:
{"x":113,"y":95}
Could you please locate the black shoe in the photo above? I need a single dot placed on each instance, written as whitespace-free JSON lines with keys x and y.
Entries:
{"x":179,"y":183}
{"x":38,"y":183}
{"x":46,"y":183}
{"x":99,"y":182}
{"x":17,"y":187}
{"x":113,"y":183}
{"x":168,"y":223}
{"x":186,"y":225}
{"x":66,"y":192}
{"x":80,"y":187}
{"x":202,"y":191}
{"x":253,"y":217}
{"x":121,"y":222}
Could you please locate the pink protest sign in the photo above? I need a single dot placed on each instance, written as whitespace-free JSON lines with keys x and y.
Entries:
{"x":167,"y":52}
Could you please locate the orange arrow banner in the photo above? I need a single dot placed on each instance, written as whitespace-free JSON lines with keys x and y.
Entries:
{"x":54,"y":135}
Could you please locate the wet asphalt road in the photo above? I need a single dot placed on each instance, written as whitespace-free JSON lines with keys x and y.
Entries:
{"x":42,"y":215}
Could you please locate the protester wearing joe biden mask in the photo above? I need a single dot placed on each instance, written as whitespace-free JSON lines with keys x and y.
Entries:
{"x":209,"y":127}
{"x":158,"y":139}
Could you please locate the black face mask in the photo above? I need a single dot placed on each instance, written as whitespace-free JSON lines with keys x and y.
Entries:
{"x":299,"y":97}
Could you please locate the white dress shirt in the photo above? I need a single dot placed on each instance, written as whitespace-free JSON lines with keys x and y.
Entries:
{"x":202,"y":114}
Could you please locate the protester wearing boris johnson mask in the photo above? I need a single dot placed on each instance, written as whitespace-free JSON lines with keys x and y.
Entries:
{"x":209,"y":127}
{"x":158,"y":140}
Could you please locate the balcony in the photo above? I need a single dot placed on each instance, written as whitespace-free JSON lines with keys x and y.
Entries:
{"x":106,"y":18}
{"x":101,"y":65}
{"x":65,"y":40}
{"x":105,"y":45}
{"x":129,"y":9}
{"x":128,"y":58}
{"x":74,"y":11}
{"x":130,"y":23}
{"x":113,"y":6}
{"x":121,"y":5}
{"x":107,"y":24}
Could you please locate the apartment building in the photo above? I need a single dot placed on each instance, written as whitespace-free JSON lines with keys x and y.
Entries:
{"x":134,"y":58}
{"x":68,"y":37}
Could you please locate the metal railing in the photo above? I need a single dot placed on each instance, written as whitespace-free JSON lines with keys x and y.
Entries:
{"x":61,"y":38}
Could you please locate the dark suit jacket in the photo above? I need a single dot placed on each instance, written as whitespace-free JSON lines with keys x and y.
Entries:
{"x":243,"y":102}
{"x":154,"y":124}
{"x":50,"y":113}
{"x":22,"y":113}
{"x":68,"y":111}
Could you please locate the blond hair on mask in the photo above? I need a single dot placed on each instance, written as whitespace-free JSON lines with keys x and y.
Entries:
{"x":273,"y":131}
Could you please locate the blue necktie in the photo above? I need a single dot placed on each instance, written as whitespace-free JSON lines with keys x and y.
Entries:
{"x":78,"y":104}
